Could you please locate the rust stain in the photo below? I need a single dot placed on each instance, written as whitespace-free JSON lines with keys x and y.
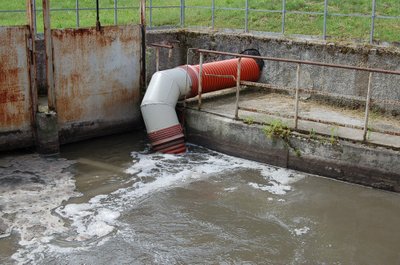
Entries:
{"x":94,"y":73}
{"x":15,"y":102}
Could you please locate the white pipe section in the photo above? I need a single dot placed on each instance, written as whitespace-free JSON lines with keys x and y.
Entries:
{"x":162,"y":94}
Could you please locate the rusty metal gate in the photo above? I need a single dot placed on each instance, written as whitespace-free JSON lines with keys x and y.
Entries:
{"x":96,"y":80}
{"x":93,"y":75}
{"x":16,"y":115}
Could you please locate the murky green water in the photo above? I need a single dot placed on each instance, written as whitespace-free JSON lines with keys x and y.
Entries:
{"x":119,"y":205}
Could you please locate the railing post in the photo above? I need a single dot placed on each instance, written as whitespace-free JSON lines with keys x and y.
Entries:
{"x":283,"y":15}
{"x":31,"y":14}
{"x":371,"y":37}
{"x":151,"y":13}
{"x":239,"y":70}
{"x":182,"y":13}
{"x":157,"y":59}
{"x":296,"y":105}
{"x":49,"y":55}
{"x":98,"y":24}
{"x":200,"y":88}
{"x":246,"y":18}
{"x":77,"y":12}
{"x":115,"y":12}
{"x":34,"y":23}
{"x":213,"y":14}
{"x":325,"y":18}
{"x":367,"y":104}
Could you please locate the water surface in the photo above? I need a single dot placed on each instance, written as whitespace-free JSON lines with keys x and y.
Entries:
{"x":108,"y":201}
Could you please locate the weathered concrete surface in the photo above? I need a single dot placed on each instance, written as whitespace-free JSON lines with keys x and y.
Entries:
{"x":47,"y":133}
{"x":323,"y":79}
{"x":97,"y":81}
{"x":354,"y":162}
{"x":15,"y":93}
{"x":282,"y":107}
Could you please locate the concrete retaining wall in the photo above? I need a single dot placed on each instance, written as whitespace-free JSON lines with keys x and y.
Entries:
{"x":357,"y":163}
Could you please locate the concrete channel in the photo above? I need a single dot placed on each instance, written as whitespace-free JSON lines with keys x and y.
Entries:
{"x":89,"y":103}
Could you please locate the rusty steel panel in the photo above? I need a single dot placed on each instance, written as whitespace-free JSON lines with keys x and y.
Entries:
{"x":15,"y":98}
{"x":97,"y":75}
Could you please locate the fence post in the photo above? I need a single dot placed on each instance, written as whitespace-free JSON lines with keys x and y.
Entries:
{"x":151,"y":13}
{"x":200,"y":88}
{"x":367,"y":103}
{"x":325,"y":18}
{"x":31,"y":14}
{"x":213,"y":14}
{"x":115,"y":12}
{"x":371,"y":37}
{"x":296,"y":106}
{"x":246,"y":18}
{"x":182,"y":13}
{"x":77,"y":12}
{"x":283,"y":15}
{"x":49,"y":55}
{"x":239,"y":69}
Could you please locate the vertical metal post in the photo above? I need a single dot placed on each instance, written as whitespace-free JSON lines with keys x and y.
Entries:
{"x":325,"y":18}
{"x":143,"y":82}
{"x":239,"y":71}
{"x":115,"y":12}
{"x":32,"y":47}
{"x":182,"y":20}
{"x":49,"y":55}
{"x":371,"y":37}
{"x":157,"y":59}
{"x":246,"y":18}
{"x":77,"y":13}
{"x":151,"y":13}
{"x":213,"y":14}
{"x":34,"y":24}
{"x":200,"y":88}
{"x":283,"y":16}
{"x":296,"y":105}
{"x":367,"y":104}
{"x":98,"y":25}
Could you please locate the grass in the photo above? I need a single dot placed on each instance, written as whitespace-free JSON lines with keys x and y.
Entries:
{"x":338,"y":27}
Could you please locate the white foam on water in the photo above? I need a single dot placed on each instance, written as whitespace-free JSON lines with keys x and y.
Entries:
{"x":301,"y":231}
{"x":31,"y":187}
{"x":94,"y":222}
{"x":278,"y":179}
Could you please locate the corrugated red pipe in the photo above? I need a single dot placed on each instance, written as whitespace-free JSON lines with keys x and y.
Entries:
{"x":250,"y":71}
{"x":215,"y":76}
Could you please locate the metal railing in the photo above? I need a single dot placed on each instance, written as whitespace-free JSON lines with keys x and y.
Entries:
{"x":296,"y":117}
{"x":184,"y":6}
{"x":373,"y":15}
{"x":78,"y":8}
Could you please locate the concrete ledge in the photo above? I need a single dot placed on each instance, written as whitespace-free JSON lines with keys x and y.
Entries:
{"x":372,"y":166}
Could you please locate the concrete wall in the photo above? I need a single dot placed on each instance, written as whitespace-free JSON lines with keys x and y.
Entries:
{"x":344,"y":160}
{"x":324,"y":79}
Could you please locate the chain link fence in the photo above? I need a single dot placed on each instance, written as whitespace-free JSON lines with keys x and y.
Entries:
{"x":365,"y":20}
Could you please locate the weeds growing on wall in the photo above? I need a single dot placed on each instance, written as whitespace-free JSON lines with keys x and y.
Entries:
{"x":277,"y":129}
